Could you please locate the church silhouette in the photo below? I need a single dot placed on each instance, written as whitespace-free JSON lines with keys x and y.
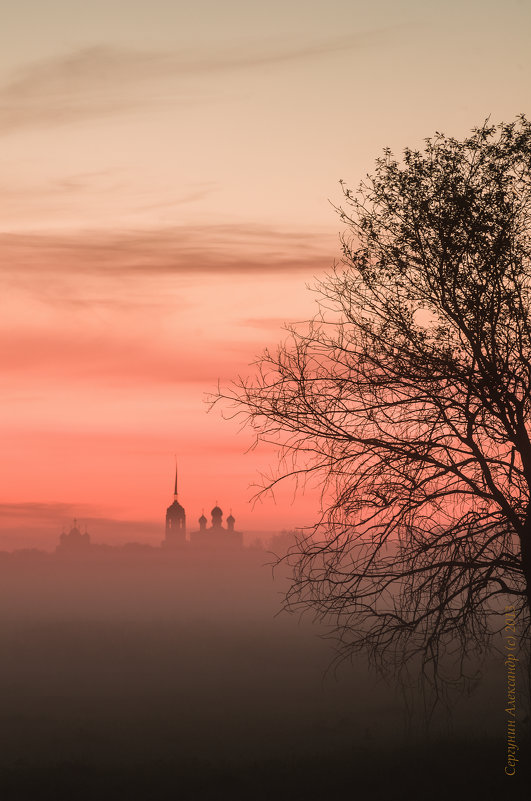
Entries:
{"x":213,"y":537}
{"x":74,"y":541}
{"x":216,"y":538}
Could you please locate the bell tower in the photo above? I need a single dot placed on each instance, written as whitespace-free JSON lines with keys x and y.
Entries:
{"x":175,"y":520}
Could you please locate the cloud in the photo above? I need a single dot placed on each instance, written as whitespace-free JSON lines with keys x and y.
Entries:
{"x":191,"y":250}
{"x":36,"y":198}
{"x":94,"y":82}
{"x":102,"y":80}
{"x":80,"y":182}
{"x":39,"y":511}
{"x":158,"y":307}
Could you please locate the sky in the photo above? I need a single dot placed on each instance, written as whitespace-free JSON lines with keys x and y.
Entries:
{"x":169,"y":172}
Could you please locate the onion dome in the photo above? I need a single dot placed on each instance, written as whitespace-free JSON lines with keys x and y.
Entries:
{"x":74,"y":531}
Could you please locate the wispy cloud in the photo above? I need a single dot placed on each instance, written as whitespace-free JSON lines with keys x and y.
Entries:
{"x":143,"y":307}
{"x":221,"y":249}
{"x":94,"y":82}
{"x":37,"y":198}
{"x":103,"y":80}
{"x":39,"y":511}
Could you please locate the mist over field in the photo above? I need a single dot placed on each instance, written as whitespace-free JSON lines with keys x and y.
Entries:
{"x":131,"y":673}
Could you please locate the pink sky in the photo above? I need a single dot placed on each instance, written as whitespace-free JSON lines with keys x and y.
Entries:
{"x":167,"y":176}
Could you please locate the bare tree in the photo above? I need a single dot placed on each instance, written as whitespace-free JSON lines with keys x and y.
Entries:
{"x":410,"y":397}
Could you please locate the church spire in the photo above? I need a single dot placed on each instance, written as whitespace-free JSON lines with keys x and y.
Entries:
{"x":175,"y":518}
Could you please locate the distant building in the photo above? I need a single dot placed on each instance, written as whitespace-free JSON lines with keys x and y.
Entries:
{"x":175,"y":521}
{"x":74,"y":541}
{"x":217,"y":536}
{"x":214,"y":536}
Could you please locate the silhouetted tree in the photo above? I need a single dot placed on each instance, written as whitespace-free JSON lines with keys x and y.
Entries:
{"x":410,"y":397}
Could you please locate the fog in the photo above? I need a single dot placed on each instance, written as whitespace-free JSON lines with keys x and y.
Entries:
{"x":145,"y":670}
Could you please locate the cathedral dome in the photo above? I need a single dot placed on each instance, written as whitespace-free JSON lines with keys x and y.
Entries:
{"x":176,"y":507}
{"x":74,"y":540}
{"x":216,"y":512}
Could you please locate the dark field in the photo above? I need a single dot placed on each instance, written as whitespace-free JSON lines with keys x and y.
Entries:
{"x":144,"y":679}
